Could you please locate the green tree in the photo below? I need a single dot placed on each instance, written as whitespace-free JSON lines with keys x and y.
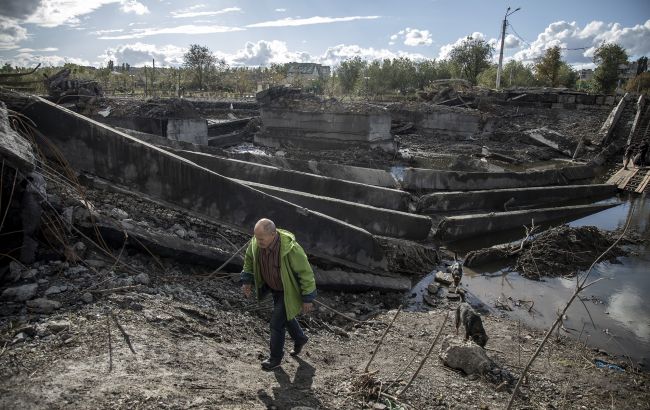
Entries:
{"x":547,"y":68}
{"x":200,"y":60}
{"x":567,"y":76}
{"x":349,"y":73}
{"x":471,"y":57}
{"x":608,"y":57}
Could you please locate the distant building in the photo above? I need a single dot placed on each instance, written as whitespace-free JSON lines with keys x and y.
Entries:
{"x":585,"y":74}
{"x":304,"y":73}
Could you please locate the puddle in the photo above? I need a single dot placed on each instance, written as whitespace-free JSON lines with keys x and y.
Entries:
{"x":616,"y":303}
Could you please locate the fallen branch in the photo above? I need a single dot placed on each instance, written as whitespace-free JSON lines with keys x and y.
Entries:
{"x":582,"y":285}
{"x":381,"y":340}
{"x":442,"y":326}
{"x":127,"y":339}
{"x":341,"y":314}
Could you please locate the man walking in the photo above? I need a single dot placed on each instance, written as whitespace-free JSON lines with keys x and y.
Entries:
{"x":275,"y":262}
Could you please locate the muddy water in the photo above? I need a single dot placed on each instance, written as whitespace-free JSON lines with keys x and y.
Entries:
{"x":619,"y":304}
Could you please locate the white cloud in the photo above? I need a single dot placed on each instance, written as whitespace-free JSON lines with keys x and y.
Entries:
{"x":280,"y":10}
{"x":11,"y":33}
{"x":135,"y":7}
{"x":264,"y":53}
{"x":190,"y":13}
{"x":334,"y":55}
{"x":54,"y":13}
{"x":138,"y":54}
{"x":31,"y":50}
{"x":108,"y":31}
{"x":579,"y":43}
{"x":291,"y":22}
{"x":185,"y":29}
{"x":511,"y":41}
{"x":28,"y":60}
{"x":446,"y":49}
{"x":412,"y":37}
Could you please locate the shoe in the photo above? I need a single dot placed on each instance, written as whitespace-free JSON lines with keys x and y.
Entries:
{"x":270,"y":364}
{"x":297,"y":348}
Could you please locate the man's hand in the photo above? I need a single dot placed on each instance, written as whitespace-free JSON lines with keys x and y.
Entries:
{"x":246,"y":289}
{"x":307,"y":307}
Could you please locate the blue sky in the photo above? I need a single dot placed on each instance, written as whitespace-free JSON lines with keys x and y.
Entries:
{"x":255,"y":33}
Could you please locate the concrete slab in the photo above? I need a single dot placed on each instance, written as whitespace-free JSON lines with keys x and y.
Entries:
{"x":378,"y":221}
{"x":300,"y":181}
{"x":92,"y":147}
{"x":418,"y":179}
{"x":14,"y":149}
{"x":467,"y":226}
{"x":510,"y":199}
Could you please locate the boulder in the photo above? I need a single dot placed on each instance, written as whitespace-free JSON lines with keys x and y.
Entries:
{"x":142,"y":278}
{"x":465,"y":356}
{"x":42,"y":305}
{"x":57,"y":326}
{"x":444,"y":278}
{"x":20,"y":293}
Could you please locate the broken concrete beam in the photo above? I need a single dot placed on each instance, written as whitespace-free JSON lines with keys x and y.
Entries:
{"x":161,"y":244}
{"x":368,"y":176}
{"x":438,"y":120}
{"x":355,"y":281}
{"x":417,"y":179}
{"x":552,"y":139}
{"x":89,"y":146}
{"x":467,"y":226}
{"x":300,"y":181}
{"x":226,"y":140}
{"x":14,"y":149}
{"x":216,"y":128}
{"x":605,"y":133}
{"x":324,"y":129}
{"x":510,"y":199}
{"x":190,"y":130}
{"x":379,"y":221}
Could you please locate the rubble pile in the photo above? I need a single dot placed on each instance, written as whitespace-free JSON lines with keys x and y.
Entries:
{"x":565,"y":251}
{"x":297,"y":100}
{"x":60,"y":85}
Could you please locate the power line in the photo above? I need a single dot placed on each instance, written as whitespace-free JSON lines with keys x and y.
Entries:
{"x":518,"y":36}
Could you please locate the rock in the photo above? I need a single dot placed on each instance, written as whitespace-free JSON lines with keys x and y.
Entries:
{"x":53,"y":290}
{"x":181,"y":233}
{"x":453,"y":296}
{"x":43,"y":305}
{"x":29,"y":274}
{"x":42,"y":281}
{"x":80,"y":249}
{"x":429,"y":300}
{"x":57,"y":326}
{"x":192,"y":234}
{"x":75,"y":271}
{"x":95,"y":263}
{"x":15,"y":271}
{"x":20,"y":338}
{"x":433,"y":288}
{"x":444,"y":278}
{"x":20,"y":293}
{"x":87,"y":297}
{"x":379,"y":406}
{"x":29,"y":330}
{"x":119,"y":214}
{"x":142,"y":278}
{"x":466,"y":356}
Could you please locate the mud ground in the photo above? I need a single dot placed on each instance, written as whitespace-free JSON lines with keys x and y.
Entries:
{"x":198,"y":344}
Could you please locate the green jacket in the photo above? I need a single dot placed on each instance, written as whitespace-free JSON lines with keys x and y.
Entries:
{"x":295,"y":272}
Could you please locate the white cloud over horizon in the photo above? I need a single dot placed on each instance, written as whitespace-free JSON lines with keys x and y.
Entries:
{"x":184,"y":29}
{"x":293,"y":22}
{"x":189,"y":12}
{"x":412,"y":37}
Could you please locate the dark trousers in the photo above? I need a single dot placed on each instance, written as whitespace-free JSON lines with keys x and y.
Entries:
{"x":279,"y":324}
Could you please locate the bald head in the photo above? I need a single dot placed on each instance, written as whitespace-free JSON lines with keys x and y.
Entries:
{"x":265,"y":232}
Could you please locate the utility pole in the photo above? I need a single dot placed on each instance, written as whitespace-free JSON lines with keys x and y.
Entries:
{"x":153,"y":72}
{"x":503,"y":38}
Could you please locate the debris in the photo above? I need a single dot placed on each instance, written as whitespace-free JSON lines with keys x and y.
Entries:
{"x":57,"y":326}
{"x":43,"y":305}
{"x":20,"y":293}
{"x":444,"y":278}
{"x":601,"y":364}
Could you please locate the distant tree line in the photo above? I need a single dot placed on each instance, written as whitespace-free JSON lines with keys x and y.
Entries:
{"x":470,"y":60}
